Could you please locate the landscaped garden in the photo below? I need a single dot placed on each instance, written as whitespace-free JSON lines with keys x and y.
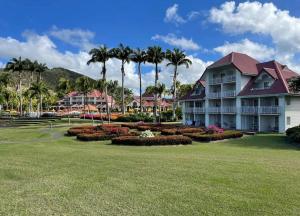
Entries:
{"x":44,"y":172}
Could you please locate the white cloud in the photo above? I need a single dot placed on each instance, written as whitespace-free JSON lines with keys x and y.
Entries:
{"x":258,"y":18}
{"x":193,"y":15}
{"x":255,"y":50}
{"x":42,"y":48}
{"x":172,"y":16}
{"x":76,"y":37}
{"x":171,"y":39}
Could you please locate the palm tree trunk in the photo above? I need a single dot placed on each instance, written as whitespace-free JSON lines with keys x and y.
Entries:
{"x":140,"y":77}
{"x":155,"y":94}
{"x":30,"y":103}
{"x":174,"y":93}
{"x":20,"y":92}
{"x":123,"y":73}
{"x":105,"y":89}
{"x":41,"y":104}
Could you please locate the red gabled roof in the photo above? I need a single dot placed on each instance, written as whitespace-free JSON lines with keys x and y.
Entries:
{"x":190,"y":96}
{"x":279,"y":72}
{"x":244,"y":63}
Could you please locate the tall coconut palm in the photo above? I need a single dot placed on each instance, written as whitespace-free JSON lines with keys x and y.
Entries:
{"x":30,"y":67}
{"x":64,"y":87}
{"x":155,"y":56}
{"x":101,"y":55}
{"x":139,"y":56}
{"x":84,"y":85}
{"x":18,"y":65}
{"x":160,"y":90}
{"x":39,"y":68}
{"x":38,"y":90}
{"x":123,"y":54}
{"x":101,"y":85}
{"x":176,"y":58}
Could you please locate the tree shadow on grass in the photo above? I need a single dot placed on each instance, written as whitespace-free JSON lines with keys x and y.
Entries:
{"x":264,"y":141}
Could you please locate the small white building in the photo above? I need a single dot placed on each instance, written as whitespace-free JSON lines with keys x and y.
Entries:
{"x":238,"y":92}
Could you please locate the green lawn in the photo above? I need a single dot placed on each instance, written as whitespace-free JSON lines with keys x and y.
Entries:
{"x":44,"y":173}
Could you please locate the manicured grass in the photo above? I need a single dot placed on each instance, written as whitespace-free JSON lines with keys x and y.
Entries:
{"x":44,"y":173}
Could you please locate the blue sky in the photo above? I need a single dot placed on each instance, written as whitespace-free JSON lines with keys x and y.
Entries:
{"x":51,"y":30}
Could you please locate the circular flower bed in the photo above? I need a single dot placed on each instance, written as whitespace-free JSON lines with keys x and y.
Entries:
{"x":149,"y":141}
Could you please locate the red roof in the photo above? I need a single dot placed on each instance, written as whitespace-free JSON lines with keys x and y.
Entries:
{"x":190,"y":96}
{"x":244,"y":63}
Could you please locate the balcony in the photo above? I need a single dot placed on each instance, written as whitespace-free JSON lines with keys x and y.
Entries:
{"x":228,"y":94}
{"x":214,"y":109}
{"x":214,"y":95}
{"x":229,"y":109}
{"x":198,"y":110}
{"x":260,"y":110}
{"x":189,"y":109}
{"x":269,"y":110}
{"x":215,"y":81}
{"x":229,"y":79}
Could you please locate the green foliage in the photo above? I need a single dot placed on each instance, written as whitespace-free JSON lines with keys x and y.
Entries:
{"x":293,"y":134}
{"x":135,"y":118}
{"x":204,"y":137}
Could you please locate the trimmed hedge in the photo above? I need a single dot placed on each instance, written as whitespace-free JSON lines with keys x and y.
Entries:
{"x":180,"y":131}
{"x":75,"y":131}
{"x":293,"y":134}
{"x":149,"y":141}
{"x":94,"y":136}
{"x":213,"y":137}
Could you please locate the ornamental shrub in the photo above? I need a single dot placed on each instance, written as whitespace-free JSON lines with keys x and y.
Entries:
{"x":205,"y":137}
{"x":293,"y":134}
{"x":213,"y":129}
{"x":146,"y":133}
{"x":149,"y":141}
{"x":94,"y":136}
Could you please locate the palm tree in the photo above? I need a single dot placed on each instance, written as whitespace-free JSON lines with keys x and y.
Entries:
{"x":17,"y":65}
{"x":160,"y":90}
{"x":84,"y":85}
{"x":101,"y":85}
{"x":139,"y":56}
{"x":39,"y":68}
{"x":112,"y":88}
{"x":4,"y":80}
{"x":102,"y":55}
{"x":38,"y":90}
{"x":30,"y":67}
{"x":155,"y":56}
{"x":176,"y":58}
{"x":122,"y":53}
{"x":64,"y":87}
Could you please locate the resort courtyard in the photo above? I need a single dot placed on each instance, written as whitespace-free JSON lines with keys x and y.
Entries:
{"x":43,"y":172}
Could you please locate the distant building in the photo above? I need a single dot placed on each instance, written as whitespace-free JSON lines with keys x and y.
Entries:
{"x":76,"y":100}
{"x":238,"y":92}
{"x":148,"y":103}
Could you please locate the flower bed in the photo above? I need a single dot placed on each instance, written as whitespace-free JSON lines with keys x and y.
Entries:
{"x":149,"y":141}
{"x":77,"y":130}
{"x":94,"y":136}
{"x":206,"y":137}
{"x":180,"y":131}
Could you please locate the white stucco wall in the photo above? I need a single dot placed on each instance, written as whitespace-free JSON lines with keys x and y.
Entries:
{"x":292,"y":111}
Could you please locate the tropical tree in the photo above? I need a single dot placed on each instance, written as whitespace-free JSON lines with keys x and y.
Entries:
{"x":155,"y":56}
{"x":18,"y":65}
{"x":101,"y":85}
{"x":160,"y":90}
{"x":101,"y":55}
{"x":64,"y":87}
{"x":123,"y":54}
{"x":84,"y":85}
{"x":176,"y":58}
{"x":39,"y":68}
{"x":112,"y":89}
{"x":294,"y":84}
{"x":38,"y":90}
{"x":4,"y":80}
{"x":128,"y":96}
{"x":139,"y":56}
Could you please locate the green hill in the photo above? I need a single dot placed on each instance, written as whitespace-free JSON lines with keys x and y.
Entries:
{"x":50,"y":77}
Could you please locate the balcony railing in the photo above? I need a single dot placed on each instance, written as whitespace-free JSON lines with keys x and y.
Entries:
{"x":228,"y":109}
{"x":228,"y":79}
{"x":214,"y":95}
{"x":225,"y":79}
{"x":189,"y":109}
{"x":260,"y":110}
{"x":269,"y":110}
{"x":199,"y":110}
{"x":228,"y":94}
{"x":214,"y":109}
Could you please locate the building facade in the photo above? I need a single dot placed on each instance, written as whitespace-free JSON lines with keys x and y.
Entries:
{"x":238,"y":92}
{"x":164,"y":104}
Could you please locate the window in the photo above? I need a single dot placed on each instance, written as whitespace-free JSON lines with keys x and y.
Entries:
{"x":266,"y":84}
{"x":288,"y":101}
{"x":288,"y":120}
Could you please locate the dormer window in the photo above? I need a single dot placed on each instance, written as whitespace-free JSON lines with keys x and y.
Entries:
{"x":263,"y":81}
{"x":198,"y":89}
{"x":267,"y":85}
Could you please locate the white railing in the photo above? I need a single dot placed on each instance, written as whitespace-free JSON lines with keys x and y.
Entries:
{"x":228,"y":94}
{"x":269,"y":110}
{"x":214,"y":109}
{"x":214,"y":95}
{"x":199,"y":110}
{"x":228,"y":79}
{"x":249,"y":109}
{"x":229,"y":109}
{"x":189,"y":109}
{"x":215,"y":81}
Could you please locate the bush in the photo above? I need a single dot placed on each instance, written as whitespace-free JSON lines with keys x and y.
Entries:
{"x":212,"y":129}
{"x":146,"y":133}
{"x":83,"y":129}
{"x":135,"y":118}
{"x":94,"y":136}
{"x":116,"y":130}
{"x":179,"y":131}
{"x":149,"y":141}
{"x":293,"y":134}
{"x":205,"y":137}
